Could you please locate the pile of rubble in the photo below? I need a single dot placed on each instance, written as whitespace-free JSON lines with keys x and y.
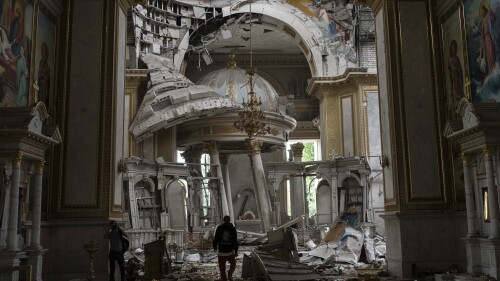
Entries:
{"x":345,"y":250}
{"x":348,"y":249}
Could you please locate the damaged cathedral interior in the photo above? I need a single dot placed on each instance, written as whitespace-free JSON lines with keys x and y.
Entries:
{"x":344,"y":139}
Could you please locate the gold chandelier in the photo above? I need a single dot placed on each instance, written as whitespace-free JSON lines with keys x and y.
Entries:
{"x":251,"y":119}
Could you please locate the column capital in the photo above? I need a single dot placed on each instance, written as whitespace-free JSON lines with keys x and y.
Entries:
{"x":297,"y":149}
{"x":224,"y":158}
{"x":191,"y":154}
{"x":254,"y":146}
{"x":39,"y":165}
{"x":465,"y":159}
{"x":212,"y":147}
{"x":17,"y":158}
{"x":487,"y":153}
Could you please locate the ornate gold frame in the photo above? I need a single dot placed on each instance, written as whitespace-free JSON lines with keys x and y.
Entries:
{"x":458,"y":5}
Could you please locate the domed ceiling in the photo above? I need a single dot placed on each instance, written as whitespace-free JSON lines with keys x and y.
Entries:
{"x":232,"y":82}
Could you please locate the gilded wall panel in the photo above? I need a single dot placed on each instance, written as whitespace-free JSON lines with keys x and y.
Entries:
{"x":120,"y":113}
{"x":384,"y":102}
{"x":81,"y":154}
{"x":421,"y":134}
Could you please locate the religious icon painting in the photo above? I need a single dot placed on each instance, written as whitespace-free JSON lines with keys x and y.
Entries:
{"x":482,"y":25}
{"x":454,"y":62}
{"x":16,"y":33}
{"x":45,"y":57}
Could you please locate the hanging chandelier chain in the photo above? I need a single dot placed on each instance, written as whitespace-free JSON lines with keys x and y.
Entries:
{"x":251,"y":119}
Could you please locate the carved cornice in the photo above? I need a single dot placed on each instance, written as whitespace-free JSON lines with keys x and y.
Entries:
{"x":134,"y":77}
{"x":351,"y":77}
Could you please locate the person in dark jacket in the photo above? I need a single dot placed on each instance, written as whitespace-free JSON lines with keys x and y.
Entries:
{"x":226,"y":245}
{"x":114,"y":234}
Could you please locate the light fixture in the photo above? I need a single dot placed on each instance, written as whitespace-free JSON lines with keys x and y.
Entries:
{"x":251,"y":119}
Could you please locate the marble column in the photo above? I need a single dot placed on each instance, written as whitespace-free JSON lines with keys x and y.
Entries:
{"x":224,"y":158}
{"x":262,"y":196}
{"x":37,"y":206}
{"x":469,"y":196}
{"x":335,"y":196}
{"x":364,"y":184}
{"x":478,"y":196}
{"x":213,"y":150}
{"x":192,"y":156}
{"x":14,"y":203}
{"x":297,"y":185}
{"x":492,"y":193}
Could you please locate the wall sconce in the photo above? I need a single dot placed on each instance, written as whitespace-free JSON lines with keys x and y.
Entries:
{"x":384,"y":161}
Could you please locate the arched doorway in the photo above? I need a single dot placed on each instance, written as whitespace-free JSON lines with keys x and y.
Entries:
{"x":176,"y":205}
{"x":324,"y":203}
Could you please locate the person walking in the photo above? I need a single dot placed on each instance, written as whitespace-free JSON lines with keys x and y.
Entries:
{"x":226,"y":245}
{"x":116,"y":251}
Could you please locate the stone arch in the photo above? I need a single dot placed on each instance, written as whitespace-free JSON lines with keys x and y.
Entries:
{"x":344,"y":175}
{"x":279,"y":181}
{"x":150,"y":183}
{"x":175,"y":197}
{"x":324,"y":177}
{"x":304,"y":31}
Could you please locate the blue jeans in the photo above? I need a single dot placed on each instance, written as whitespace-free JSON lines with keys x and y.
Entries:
{"x":116,"y":257}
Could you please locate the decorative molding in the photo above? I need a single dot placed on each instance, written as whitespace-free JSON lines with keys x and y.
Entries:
{"x":351,"y":77}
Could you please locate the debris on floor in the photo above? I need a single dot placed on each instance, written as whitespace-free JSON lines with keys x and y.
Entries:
{"x":347,"y":250}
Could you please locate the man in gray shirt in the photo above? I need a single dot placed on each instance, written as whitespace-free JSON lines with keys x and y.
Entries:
{"x":116,"y":252}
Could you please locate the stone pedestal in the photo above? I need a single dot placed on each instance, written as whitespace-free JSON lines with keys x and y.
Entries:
{"x":35,"y":259}
{"x":473,"y":249}
{"x":490,"y":256}
{"x":9,"y":260}
{"x":418,"y":241}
